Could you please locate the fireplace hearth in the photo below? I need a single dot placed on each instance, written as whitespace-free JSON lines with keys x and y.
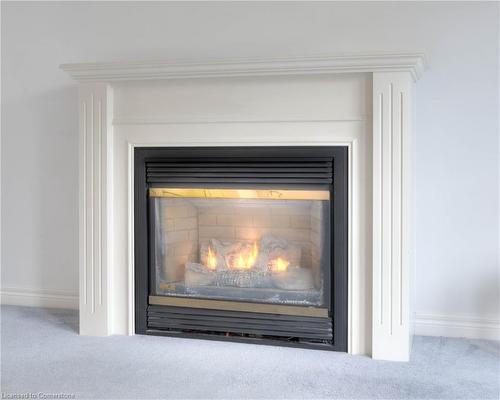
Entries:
{"x":242,"y":244}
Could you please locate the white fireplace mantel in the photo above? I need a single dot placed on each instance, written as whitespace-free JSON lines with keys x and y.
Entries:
{"x":370,"y":108}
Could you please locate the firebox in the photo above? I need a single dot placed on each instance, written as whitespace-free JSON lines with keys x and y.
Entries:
{"x":242,"y":244}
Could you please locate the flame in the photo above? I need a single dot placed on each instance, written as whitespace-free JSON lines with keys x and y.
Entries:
{"x":280,"y":265}
{"x":253,"y":257}
{"x":240,"y":263}
{"x":247,"y":261}
{"x":211,"y":259}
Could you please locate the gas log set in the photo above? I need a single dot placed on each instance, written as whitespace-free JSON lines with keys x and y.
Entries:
{"x":271,"y":263}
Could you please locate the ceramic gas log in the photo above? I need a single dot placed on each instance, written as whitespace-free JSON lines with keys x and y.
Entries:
{"x":270,"y":263}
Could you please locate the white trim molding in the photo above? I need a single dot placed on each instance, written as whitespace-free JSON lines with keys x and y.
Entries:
{"x":39,"y":298}
{"x":457,"y":326}
{"x":379,"y":314}
{"x":414,"y":64}
{"x":133,"y":137}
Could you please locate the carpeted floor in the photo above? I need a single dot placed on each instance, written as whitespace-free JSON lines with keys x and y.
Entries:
{"x":41,"y":352}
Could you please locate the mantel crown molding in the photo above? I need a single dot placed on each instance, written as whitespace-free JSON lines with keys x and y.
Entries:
{"x":414,"y":63}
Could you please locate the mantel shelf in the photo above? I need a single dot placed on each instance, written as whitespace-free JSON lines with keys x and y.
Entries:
{"x":414,"y":63}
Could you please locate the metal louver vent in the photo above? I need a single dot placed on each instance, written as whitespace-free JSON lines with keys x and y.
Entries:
{"x":203,"y":320}
{"x":242,"y":170}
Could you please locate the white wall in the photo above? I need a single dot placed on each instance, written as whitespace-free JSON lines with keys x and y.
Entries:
{"x":457,"y":125}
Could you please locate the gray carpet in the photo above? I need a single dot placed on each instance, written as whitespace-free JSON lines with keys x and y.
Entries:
{"x":41,"y":352}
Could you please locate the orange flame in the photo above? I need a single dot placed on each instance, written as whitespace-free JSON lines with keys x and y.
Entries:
{"x":240,"y":263}
{"x":253,"y":257}
{"x":211,"y":259}
{"x":247,"y":261}
{"x":280,"y":265}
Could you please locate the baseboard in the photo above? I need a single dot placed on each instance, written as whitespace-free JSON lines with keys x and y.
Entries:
{"x":425,"y":324}
{"x":457,"y":326}
{"x":39,"y":298}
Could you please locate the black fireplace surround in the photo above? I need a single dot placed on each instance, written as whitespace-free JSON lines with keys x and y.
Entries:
{"x":245,"y":244}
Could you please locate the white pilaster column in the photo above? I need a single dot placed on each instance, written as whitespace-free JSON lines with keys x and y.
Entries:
{"x":95,"y":108}
{"x":393,"y":98}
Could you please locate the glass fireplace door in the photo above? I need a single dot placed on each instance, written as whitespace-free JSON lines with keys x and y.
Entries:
{"x":261,"y":246}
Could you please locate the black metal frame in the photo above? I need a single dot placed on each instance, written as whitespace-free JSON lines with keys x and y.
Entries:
{"x":338,"y":229}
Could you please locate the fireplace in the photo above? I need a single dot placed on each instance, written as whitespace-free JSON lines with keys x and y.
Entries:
{"x":242,"y":244}
{"x":365,"y":102}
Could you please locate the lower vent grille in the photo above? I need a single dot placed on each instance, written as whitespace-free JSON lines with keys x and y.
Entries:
{"x":183,"y":319}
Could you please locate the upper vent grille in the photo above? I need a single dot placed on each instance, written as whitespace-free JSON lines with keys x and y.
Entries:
{"x":242,"y":170}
